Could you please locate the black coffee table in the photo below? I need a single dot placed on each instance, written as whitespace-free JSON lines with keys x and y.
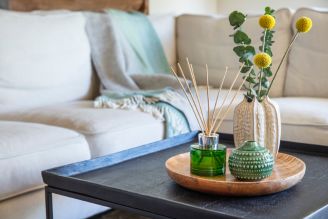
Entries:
{"x":136,"y":180}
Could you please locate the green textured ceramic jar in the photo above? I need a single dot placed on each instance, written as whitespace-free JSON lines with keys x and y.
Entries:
{"x":251,"y":161}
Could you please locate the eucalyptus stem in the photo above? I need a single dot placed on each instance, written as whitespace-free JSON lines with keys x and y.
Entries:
{"x":249,"y":93}
{"x":282,"y":60}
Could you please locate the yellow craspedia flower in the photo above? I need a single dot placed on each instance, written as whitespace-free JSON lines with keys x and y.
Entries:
{"x":267,"y":21}
{"x":304,"y":24}
{"x":262,"y":60}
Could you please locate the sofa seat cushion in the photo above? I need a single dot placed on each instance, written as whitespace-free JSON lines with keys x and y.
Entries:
{"x":109,"y":130}
{"x":26,"y":149}
{"x":106,"y":130}
{"x":303,"y":111}
{"x":304,"y":120}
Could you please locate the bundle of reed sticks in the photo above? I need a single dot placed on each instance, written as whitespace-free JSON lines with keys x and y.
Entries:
{"x":213,"y":122}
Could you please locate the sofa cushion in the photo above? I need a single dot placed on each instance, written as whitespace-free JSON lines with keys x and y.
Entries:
{"x":165,"y":28}
{"x":26,"y":149}
{"x":304,"y":111}
{"x":44,"y":59}
{"x":307,"y":61}
{"x":303,"y":120}
{"x":205,"y":39}
{"x":106,"y":130}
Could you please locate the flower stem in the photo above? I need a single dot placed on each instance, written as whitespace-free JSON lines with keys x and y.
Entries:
{"x":260,"y":85}
{"x":263,"y":43}
{"x":282,"y":60}
{"x":261,"y":72}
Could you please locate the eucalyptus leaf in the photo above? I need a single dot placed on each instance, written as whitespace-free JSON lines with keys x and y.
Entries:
{"x":236,"y":19}
{"x":239,"y":50}
{"x":251,"y":80}
{"x":269,"y":10}
{"x":241,"y":38}
{"x":260,"y":48}
{"x":244,"y":59}
{"x":263,"y":93}
{"x":268,"y":51}
{"x":267,"y":72}
{"x":252,"y":72}
{"x":265,"y":84}
{"x":245,"y":69}
{"x":250,"y":49}
{"x":248,"y":62}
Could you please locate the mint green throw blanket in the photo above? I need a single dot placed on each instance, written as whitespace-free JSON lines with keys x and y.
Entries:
{"x":143,"y":40}
{"x":127,"y":51}
{"x":155,"y":102}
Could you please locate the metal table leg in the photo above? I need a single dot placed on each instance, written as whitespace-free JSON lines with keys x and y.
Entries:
{"x":49,"y":210}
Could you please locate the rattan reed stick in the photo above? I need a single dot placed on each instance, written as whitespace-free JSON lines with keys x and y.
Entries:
{"x":197,"y":92}
{"x":192,"y":97}
{"x":230,"y":104}
{"x":191,"y":105}
{"x":218,"y":94}
{"x":208,"y":100}
{"x":226,"y":96}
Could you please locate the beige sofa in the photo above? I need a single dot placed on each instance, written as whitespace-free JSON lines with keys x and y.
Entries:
{"x":47,"y":86}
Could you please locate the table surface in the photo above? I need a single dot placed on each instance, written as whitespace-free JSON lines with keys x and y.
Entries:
{"x":142,"y":183}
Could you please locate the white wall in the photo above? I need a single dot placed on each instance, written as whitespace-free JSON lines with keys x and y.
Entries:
{"x":257,"y":6}
{"x":183,"y":6}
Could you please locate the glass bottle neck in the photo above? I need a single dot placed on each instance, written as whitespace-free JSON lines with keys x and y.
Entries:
{"x":208,"y":141}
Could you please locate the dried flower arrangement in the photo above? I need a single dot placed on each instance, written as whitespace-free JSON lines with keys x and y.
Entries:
{"x":258,"y":85}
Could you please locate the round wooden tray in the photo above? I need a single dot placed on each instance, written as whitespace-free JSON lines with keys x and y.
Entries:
{"x":287,"y":172}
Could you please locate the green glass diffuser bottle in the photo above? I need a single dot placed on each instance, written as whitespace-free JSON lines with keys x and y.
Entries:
{"x":208,"y":157}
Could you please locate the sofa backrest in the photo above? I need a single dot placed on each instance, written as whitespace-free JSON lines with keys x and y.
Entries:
{"x":165,"y":26}
{"x":307,"y":73}
{"x":44,"y":58}
{"x":205,"y":40}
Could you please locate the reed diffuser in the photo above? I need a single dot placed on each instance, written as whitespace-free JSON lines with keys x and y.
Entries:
{"x":208,"y":157}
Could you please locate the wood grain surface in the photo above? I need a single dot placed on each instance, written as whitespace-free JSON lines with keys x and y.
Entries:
{"x":288,"y":171}
{"x":79,"y":5}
